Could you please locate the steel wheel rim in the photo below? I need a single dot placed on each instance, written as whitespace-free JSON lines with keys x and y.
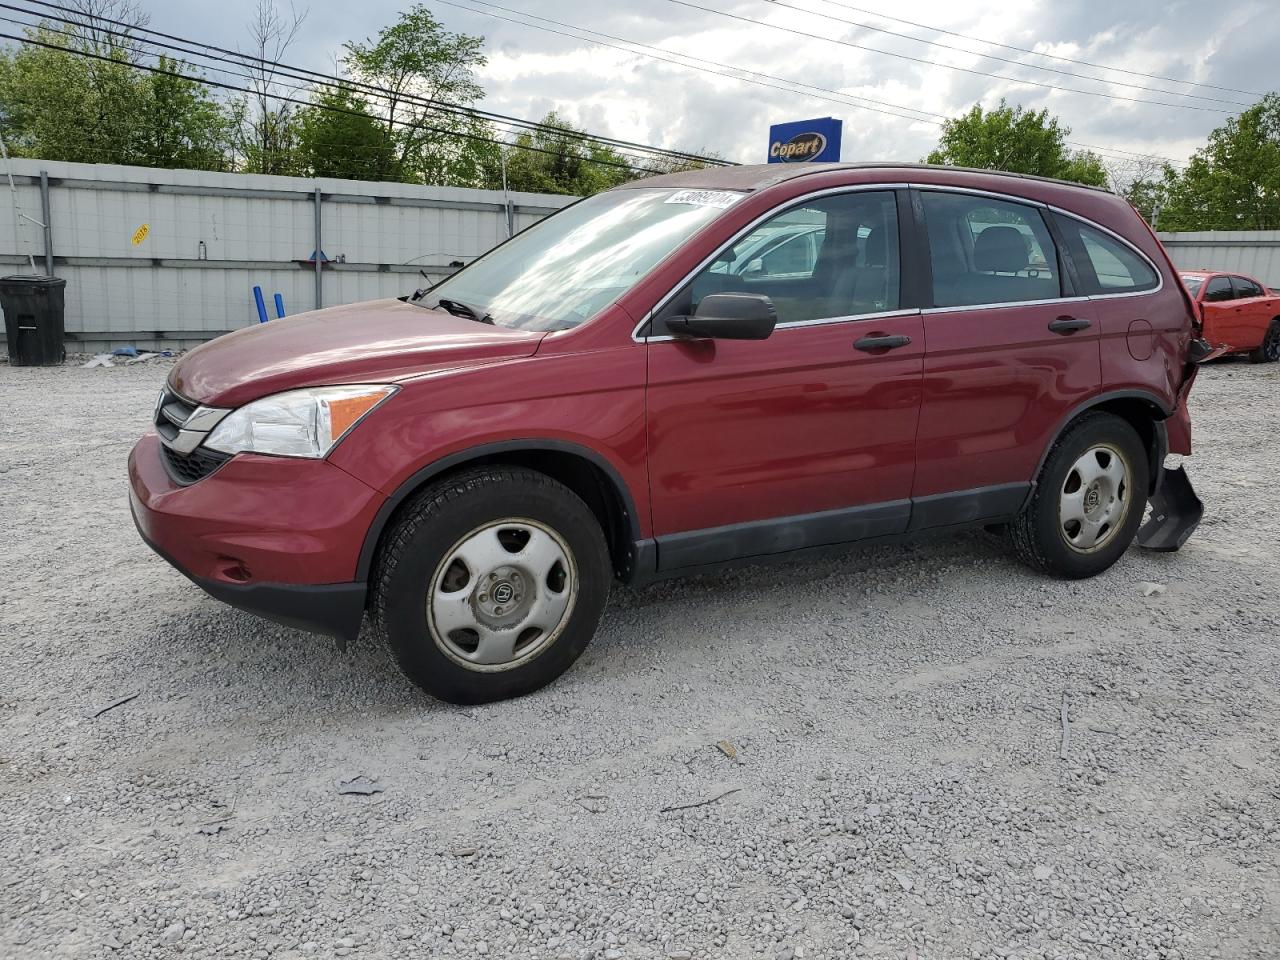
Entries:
{"x":502,"y":594}
{"x":1094,"y":499}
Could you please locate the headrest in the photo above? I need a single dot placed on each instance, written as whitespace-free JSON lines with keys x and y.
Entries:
{"x":875,"y":250}
{"x":1000,"y":250}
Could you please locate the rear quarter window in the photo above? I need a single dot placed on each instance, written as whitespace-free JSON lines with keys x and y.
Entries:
{"x":1247,"y":288}
{"x":1107,"y":264}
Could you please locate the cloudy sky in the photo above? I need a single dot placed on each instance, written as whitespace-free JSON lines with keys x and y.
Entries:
{"x":1227,"y":49}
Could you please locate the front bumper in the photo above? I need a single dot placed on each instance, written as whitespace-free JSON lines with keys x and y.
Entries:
{"x":278,"y":537}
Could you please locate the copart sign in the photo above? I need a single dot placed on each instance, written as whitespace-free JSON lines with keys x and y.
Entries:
{"x":804,"y":146}
{"x":805,"y":140}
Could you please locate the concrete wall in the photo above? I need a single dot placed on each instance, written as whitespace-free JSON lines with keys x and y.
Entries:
{"x":1252,"y":252}
{"x":212,"y":236}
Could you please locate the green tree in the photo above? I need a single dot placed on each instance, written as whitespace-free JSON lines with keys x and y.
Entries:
{"x":416,"y":59}
{"x":1233,"y":182}
{"x":266,"y":140}
{"x":1148,"y":196}
{"x":265,"y":125}
{"x":182,"y":125}
{"x":1016,"y":140}
{"x":555,"y":160}
{"x":339,"y":137}
{"x":60,"y":105}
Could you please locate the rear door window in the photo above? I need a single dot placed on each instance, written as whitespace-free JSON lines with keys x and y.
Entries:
{"x":987,"y":251}
{"x":1109,"y":265}
{"x":1246,"y":288}
{"x":1218,"y":290}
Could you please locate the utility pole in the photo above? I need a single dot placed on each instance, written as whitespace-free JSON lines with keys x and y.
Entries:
{"x":506,"y":197}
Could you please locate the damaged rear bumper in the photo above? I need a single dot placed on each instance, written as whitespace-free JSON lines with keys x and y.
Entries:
{"x":1175,"y":512}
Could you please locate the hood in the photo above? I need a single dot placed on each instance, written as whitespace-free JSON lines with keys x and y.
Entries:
{"x":374,"y":342}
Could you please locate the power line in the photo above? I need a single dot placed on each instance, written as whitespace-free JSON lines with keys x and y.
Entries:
{"x":370,"y":163}
{"x":300,"y":73}
{"x":945,"y":66}
{"x":637,"y":161}
{"x":225,"y":72}
{"x":240,"y":59}
{"x":1038,"y":53}
{"x":845,"y":98}
{"x":330,"y":109}
{"x":1010,"y":60}
{"x":311,"y":76}
{"x":830,"y":95}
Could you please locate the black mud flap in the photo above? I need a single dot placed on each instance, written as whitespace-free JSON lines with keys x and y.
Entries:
{"x":1175,"y":513}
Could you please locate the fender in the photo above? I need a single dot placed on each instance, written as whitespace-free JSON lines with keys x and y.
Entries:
{"x":1161,"y":444}
{"x":462,"y":457}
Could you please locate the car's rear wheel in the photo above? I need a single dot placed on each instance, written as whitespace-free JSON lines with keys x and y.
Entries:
{"x":1088,"y":501}
{"x":1269,"y":350}
{"x":490,"y":584}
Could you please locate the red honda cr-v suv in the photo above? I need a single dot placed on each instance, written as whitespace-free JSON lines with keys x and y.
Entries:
{"x":692,"y":370}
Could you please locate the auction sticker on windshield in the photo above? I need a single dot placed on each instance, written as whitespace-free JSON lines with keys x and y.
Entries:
{"x":705,"y":198}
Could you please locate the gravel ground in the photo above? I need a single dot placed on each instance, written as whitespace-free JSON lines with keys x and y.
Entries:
{"x":877,"y":741}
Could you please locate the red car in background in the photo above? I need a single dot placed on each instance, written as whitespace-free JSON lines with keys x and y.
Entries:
{"x":1239,"y":312}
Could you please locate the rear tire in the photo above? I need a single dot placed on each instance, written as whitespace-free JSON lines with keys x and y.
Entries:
{"x":490,"y":584}
{"x":1269,"y":350}
{"x":1088,"y":501}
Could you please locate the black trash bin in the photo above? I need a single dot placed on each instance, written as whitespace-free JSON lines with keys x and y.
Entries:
{"x":33,"y":319}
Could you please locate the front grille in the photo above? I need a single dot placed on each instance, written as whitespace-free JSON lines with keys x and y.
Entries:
{"x":187,"y":468}
{"x":172,"y":411}
{"x":183,"y":427}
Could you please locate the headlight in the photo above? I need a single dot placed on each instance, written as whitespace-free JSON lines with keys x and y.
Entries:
{"x":300,"y":423}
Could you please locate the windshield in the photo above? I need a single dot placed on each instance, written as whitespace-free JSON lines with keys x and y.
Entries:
{"x":1193,"y":284}
{"x":567,"y":268}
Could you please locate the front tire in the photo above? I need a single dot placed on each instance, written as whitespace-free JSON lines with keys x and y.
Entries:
{"x":1088,"y":501}
{"x":490,"y":584}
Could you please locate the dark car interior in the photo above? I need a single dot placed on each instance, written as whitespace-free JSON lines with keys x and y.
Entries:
{"x":838,"y":256}
{"x":988,"y":251}
{"x":854,"y":270}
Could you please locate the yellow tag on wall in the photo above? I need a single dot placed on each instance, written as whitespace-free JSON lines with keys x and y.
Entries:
{"x":141,"y":233}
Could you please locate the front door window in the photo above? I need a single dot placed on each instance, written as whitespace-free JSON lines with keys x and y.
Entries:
{"x":832,"y":257}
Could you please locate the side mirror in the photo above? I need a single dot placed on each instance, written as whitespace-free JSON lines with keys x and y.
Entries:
{"x":728,"y":316}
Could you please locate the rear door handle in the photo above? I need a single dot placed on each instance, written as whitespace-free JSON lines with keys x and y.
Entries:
{"x":1069,"y":324}
{"x":881,"y":341}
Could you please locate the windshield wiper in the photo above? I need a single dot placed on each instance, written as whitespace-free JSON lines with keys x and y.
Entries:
{"x":460,"y":309}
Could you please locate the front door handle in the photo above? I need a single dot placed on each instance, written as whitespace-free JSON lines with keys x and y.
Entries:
{"x":1069,"y":324}
{"x":881,"y":341}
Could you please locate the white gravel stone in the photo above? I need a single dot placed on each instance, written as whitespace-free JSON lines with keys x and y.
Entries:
{"x":897,"y":711}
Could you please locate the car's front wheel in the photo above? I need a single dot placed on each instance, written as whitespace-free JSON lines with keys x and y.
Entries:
{"x":490,"y":584}
{"x":1088,"y":501}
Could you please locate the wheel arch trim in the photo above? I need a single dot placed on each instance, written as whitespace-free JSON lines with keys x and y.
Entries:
{"x":1157,"y":450}
{"x":435,"y":468}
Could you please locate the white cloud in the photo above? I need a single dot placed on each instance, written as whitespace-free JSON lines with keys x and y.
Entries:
{"x":634,"y":97}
